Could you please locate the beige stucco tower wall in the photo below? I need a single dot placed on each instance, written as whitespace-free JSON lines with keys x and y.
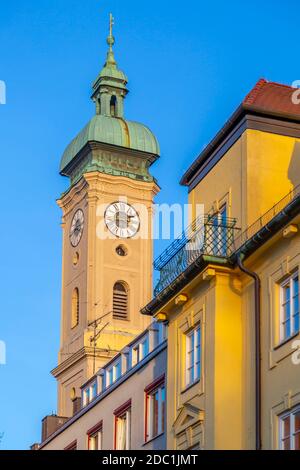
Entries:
{"x":97,"y":269}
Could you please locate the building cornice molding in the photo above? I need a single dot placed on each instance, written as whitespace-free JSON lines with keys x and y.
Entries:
{"x":73,"y":195}
{"x":103,"y":183}
{"x":197,"y":268}
{"x":82,"y":353}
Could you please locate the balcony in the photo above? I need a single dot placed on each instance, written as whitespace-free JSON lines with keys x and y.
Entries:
{"x":209,"y":235}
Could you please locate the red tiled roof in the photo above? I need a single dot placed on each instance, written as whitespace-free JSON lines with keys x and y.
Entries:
{"x":267,"y":98}
{"x":272,"y":97}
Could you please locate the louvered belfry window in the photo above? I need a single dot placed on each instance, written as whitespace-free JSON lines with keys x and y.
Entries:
{"x":120,"y":301}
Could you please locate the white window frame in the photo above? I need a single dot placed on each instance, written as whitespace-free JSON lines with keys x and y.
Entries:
{"x":93,"y":391}
{"x":289,"y":282}
{"x":150,"y":412}
{"x":100,"y":382}
{"x":86,"y":396}
{"x":127,"y":416}
{"x":291,"y":414}
{"x":137,"y":354}
{"x":126,"y":364}
{"x":88,"y":393}
{"x":193,"y":336}
{"x":113,"y":368}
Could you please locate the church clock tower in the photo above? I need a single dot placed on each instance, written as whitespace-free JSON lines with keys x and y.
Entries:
{"x":107,"y":235}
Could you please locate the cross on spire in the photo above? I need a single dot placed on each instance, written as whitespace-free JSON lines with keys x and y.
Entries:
{"x":111,"y":39}
{"x":109,"y":88}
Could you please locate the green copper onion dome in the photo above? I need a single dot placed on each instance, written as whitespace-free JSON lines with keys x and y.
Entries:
{"x":108,"y":126}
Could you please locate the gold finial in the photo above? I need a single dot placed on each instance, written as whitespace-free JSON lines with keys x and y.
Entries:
{"x":111,"y":39}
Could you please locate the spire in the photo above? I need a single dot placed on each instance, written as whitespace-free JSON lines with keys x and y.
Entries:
{"x":111,"y":41}
{"x":110,"y":85}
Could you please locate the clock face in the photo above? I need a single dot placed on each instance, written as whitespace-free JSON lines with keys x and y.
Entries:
{"x":122,"y":220}
{"x":76,"y":229}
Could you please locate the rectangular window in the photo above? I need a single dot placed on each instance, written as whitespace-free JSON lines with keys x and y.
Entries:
{"x":155,"y":409}
{"x":118,"y":370}
{"x":193,"y":356}
{"x":89,"y":394}
{"x":123,"y":427}
{"x":140,"y":350}
{"x":114,"y":372}
{"x":95,"y":437}
{"x":135,"y":355}
{"x":93,"y":391}
{"x":128,"y":362}
{"x":289,"y":430}
{"x":86,"y":396}
{"x":289,"y":307}
{"x":145,"y":347}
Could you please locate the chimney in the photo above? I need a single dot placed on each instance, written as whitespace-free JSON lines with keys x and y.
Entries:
{"x":50,"y":424}
{"x":76,"y":405}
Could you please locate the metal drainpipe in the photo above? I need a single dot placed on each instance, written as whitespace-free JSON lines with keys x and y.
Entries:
{"x":257,"y":289}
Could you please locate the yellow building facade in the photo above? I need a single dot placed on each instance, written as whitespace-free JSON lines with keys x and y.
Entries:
{"x":212,"y":356}
{"x":245,"y":394}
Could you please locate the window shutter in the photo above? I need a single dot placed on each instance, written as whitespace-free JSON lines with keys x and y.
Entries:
{"x":120,"y":302}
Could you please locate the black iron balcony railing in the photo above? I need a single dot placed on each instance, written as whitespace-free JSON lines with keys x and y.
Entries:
{"x":208,"y":235}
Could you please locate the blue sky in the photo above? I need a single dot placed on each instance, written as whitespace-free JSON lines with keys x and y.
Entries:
{"x":189,"y":66}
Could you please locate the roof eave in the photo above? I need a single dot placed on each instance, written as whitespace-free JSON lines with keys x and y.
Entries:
{"x":190,"y":173}
{"x":236,"y":117}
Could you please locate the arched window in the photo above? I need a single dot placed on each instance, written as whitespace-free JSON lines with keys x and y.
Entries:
{"x":75,"y":308}
{"x":120,"y":301}
{"x":113,"y":106}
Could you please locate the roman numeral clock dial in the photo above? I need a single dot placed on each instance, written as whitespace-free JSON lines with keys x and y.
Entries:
{"x":122,"y":220}
{"x":76,"y":228}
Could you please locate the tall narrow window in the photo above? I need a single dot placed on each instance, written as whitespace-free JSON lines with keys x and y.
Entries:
{"x":95,"y":437}
{"x":113,"y":106}
{"x":75,"y":308}
{"x":140,"y":350}
{"x":114,"y":372}
{"x":289,"y":293}
{"x":123,"y":427}
{"x":193,"y":356}
{"x":155,"y":409}
{"x":120,"y":301}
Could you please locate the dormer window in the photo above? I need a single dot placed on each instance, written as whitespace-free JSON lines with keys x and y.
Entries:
{"x":89,"y":393}
{"x":114,"y":372}
{"x":140,"y":350}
